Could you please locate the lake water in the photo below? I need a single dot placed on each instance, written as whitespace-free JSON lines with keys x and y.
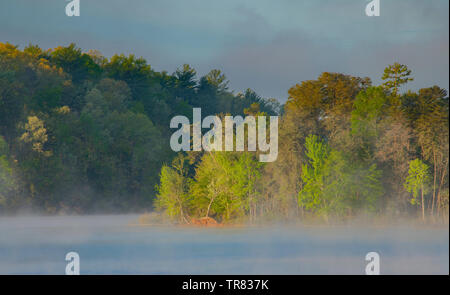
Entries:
{"x":109,"y":245}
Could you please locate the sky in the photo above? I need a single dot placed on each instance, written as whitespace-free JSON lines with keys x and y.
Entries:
{"x":266,"y":45}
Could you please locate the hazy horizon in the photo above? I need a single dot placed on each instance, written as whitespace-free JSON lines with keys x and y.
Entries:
{"x":268,"y":46}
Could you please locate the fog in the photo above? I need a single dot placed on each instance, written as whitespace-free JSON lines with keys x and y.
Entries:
{"x":115,"y":245}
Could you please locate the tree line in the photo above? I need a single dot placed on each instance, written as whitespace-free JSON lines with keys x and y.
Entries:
{"x":346,"y":148}
{"x":81,"y":133}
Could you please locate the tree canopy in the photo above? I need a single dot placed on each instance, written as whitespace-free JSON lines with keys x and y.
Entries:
{"x":81,"y":133}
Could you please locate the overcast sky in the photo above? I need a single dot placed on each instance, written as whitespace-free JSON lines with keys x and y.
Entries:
{"x":266,"y":45}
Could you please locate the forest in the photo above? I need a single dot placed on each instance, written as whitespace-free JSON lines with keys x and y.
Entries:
{"x":81,"y":134}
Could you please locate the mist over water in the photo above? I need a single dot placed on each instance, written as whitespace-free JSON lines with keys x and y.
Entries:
{"x":109,"y":245}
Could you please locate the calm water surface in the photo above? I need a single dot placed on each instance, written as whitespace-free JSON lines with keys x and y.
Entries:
{"x":109,"y":245}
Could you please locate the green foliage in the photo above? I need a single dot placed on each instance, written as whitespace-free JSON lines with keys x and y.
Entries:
{"x":82,"y":133}
{"x":87,"y":133}
{"x":217,"y":79}
{"x":79,"y":65}
{"x":417,"y":180}
{"x":396,"y":75}
{"x":225,"y":184}
{"x":8,"y":182}
{"x":334,"y":186}
{"x":173,"y":196}
{"x":133,"y":71}
{"x":369,"y":109}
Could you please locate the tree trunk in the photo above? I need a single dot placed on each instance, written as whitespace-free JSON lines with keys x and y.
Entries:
{"x":434,"y":183}
{"x":209,"y":206}
{"x":444,"y":171}
{"x":423,"y":206}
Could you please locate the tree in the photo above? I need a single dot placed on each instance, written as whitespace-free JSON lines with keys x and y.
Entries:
{"x":224,"y":185}
{"x":417,"y":181}
{"x":217,"y":79}
{"x":117,"y":94}
{"x":394,"y":148}
{"x":185,"y":77}
{"x":432,"y":131}
{"x":35,"y":134}
{"x":369,"y":109}
{"x":332,"y":186}
{"x":396,"y":75}
{"x":134,"y":71}
{"x":80,"y":65}
{"x":84,"y":133}
{"x":8,"y":182}
{"x":173,"y":191}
